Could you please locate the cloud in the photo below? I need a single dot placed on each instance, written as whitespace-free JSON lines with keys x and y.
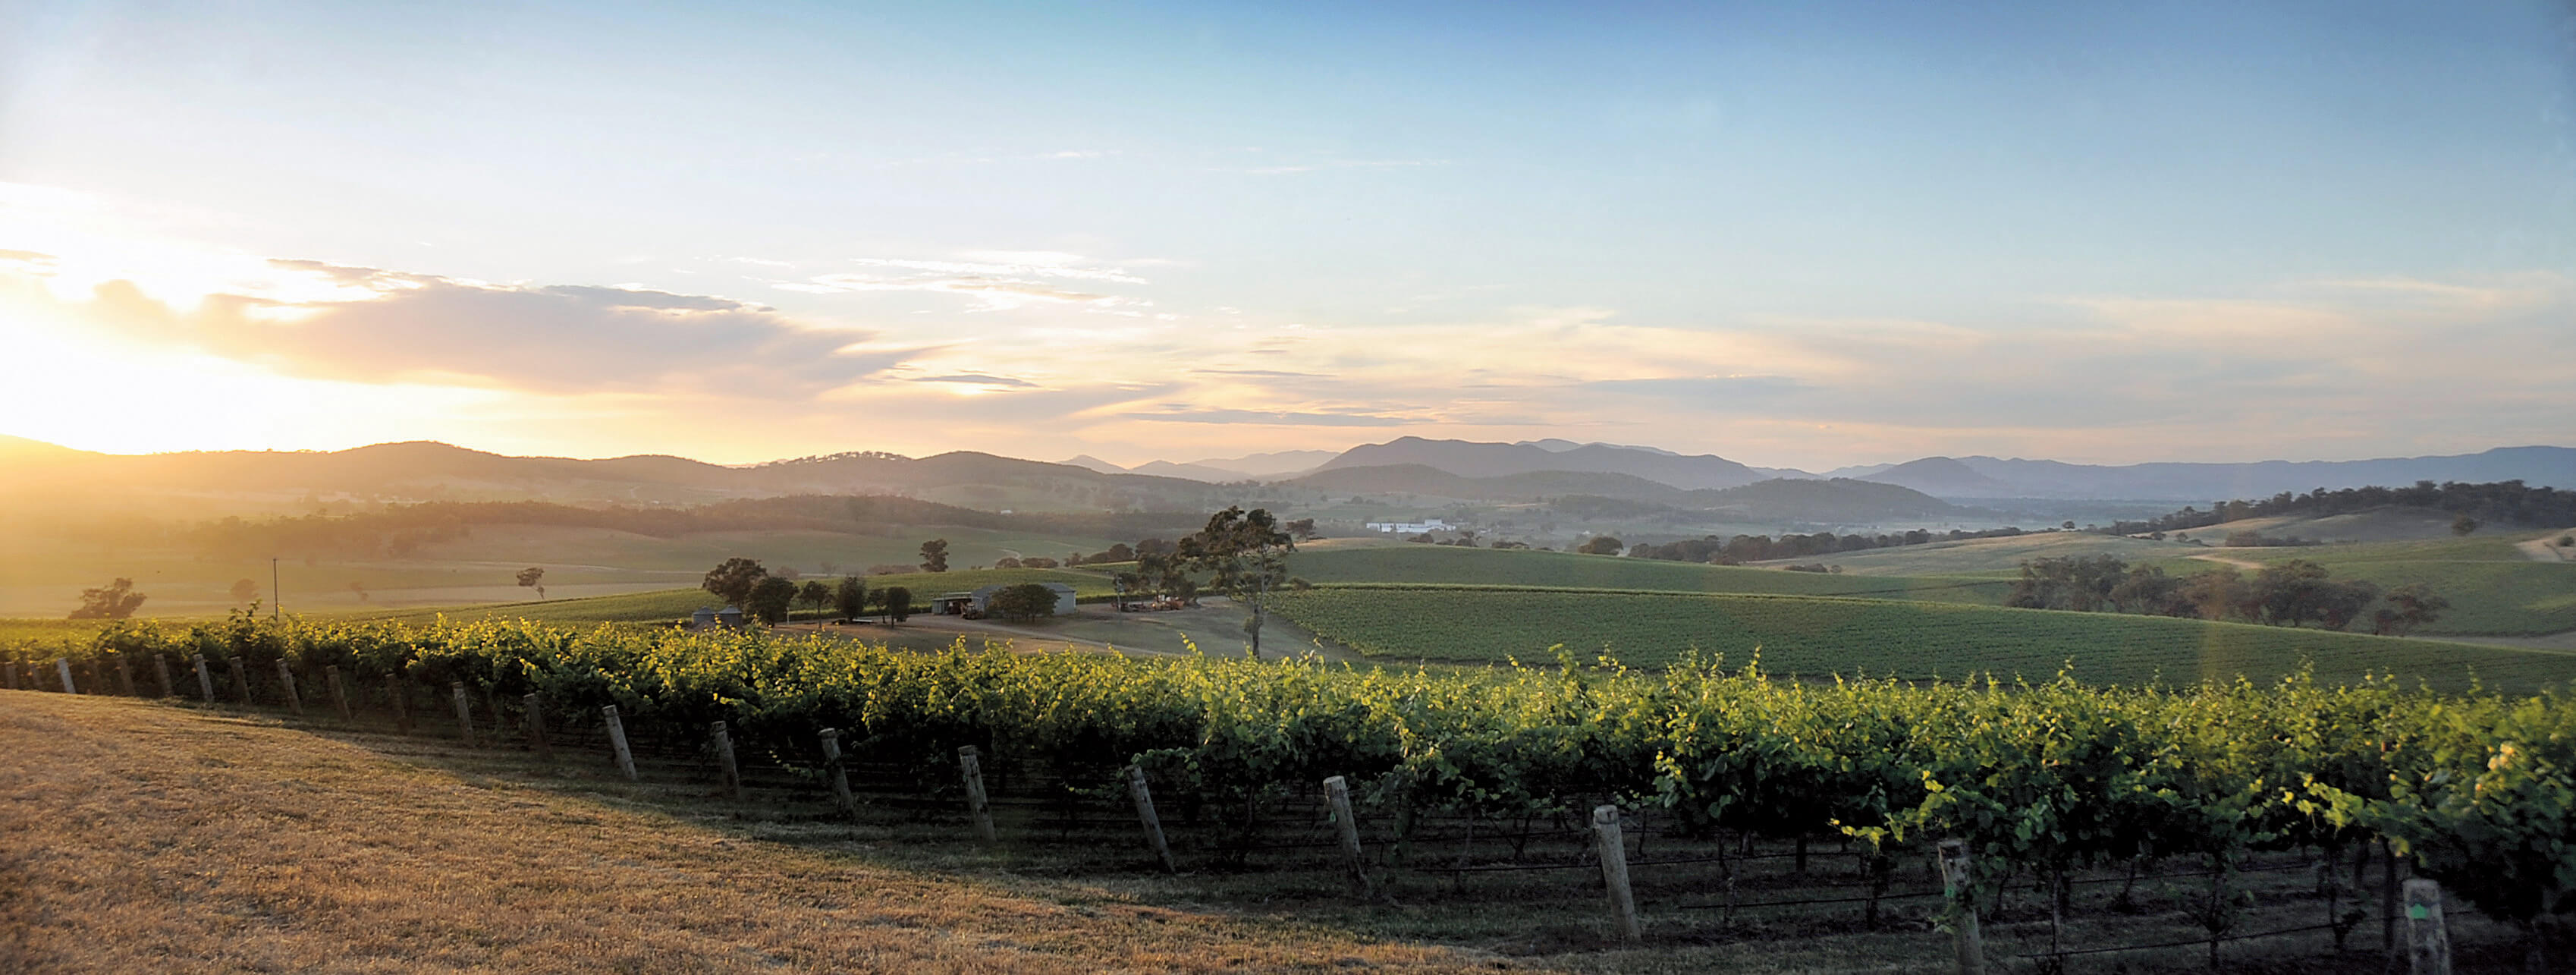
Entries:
{"x":1270,"y":419}
{"x":995,"y":280}
{"x":979,"y":380}
{"x":1713,"y":393}
{"x":1260,"y":373}
{"x":548,"y":338}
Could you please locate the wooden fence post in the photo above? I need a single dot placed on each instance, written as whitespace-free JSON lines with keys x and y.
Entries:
{"x":1958,"y":885}
{"x":205,"y":681}
{"x":840,"y":773}
{"x":339,"y":693}
{"x":124,"y":672}
{"x":2387,"y":897}
{"x":161,"y":667}
{"x":464,"y":711}
{"x":2428,"y":939}
{"x":286,"y":679}
{"x":1614,"y":869}
{"x":970,"y":766}
{"x":617,"y":740}
{"x":537,"y":728}
{"x":64,"y":668}
{"x":241,"y":679}
{"x":394,"y":691}
{"x":724,"y":757}
{"x":8,"y":675}
{"x":1144,"y":797}
{"x":1337,"y":794}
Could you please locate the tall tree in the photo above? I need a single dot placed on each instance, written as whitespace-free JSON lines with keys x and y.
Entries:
{"x":898,"y":603}
{"x":770,"y":599}
{"x":533,"y":577}
{"x":934,"y":555}
{"x":245,"y":591}
{"x":815,"y":594}
{"x":733,"y":580}
{"x":851,"y":598}
{"x":1246,"y":555}
{"x":2409,"y":606}
{"x":115,"y":601}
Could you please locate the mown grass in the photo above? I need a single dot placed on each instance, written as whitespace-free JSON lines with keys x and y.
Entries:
{"x":672,"y":604}
{"x":1455,"y":565}
{"x":231,"y":844}
{"x":1813,"y":635}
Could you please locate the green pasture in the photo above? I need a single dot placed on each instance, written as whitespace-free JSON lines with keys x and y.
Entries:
{"x":1816,"y":635}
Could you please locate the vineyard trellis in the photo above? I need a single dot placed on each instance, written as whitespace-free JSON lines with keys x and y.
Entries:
{"x":2055,"y":778}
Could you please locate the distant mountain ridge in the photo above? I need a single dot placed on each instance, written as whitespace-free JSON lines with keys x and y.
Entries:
{"x":1978,"y":477}
{"x":1471,"y":459}
{"x":1989,"y":477}
{"x":420,"y":470}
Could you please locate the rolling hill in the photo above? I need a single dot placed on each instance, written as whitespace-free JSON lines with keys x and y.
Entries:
{"x":419,"y":471}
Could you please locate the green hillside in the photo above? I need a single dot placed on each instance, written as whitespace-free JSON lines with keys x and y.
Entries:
{"x":2494,"y":589}
{"x":45,"y":578}
{"x":1998,"y":556}
{"x":1455,"y":565}
{"x":1821,"y":635}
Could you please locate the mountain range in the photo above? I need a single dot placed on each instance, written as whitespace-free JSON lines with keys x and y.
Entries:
{"x":1410,"y":465}
{"x":1962,"y":478}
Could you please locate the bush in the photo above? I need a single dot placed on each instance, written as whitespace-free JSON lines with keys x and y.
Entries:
{"x":1023,"y":602}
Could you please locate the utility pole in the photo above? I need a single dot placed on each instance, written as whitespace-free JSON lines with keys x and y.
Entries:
{"x":274,"y":597}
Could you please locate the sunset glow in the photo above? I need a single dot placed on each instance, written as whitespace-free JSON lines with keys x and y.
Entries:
{"x":1808,"y":240}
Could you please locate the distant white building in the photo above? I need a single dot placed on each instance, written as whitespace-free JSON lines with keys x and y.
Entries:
{"x":1409,"y":527}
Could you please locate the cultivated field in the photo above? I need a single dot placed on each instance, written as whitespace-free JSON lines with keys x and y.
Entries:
{"x":665,"y":605}
{"x":1996,"y":556}
{"x":1452,"y":565}
{"x":1825,"y":635}
{"x":227,"y":842}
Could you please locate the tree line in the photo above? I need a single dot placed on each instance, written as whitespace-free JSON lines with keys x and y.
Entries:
{"x":1755,"y":548}
{"x":2505,"y":502}
{"x":2294,"y":593}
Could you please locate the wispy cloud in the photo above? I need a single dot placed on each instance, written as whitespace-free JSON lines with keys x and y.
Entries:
{"x":1260,"y":418}
{"x":978,"y":379}
{"x":391,"y":326}
{"x":994,"y":280}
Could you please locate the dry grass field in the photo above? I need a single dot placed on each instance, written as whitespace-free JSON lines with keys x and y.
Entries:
{"x":147,"y":838}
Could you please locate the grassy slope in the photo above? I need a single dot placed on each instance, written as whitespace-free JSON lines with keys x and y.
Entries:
{"x":2494,"y":588}
{"x":226,"y":844}
{"x":669,"y":604}
{"x":1441,"y":564}
{"x":41,"y":579}
{"x":1818,"y":635}
{"x":1998,"y":556}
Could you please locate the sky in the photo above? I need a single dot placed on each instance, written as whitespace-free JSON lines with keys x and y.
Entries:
{"x":1793,"y":235}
